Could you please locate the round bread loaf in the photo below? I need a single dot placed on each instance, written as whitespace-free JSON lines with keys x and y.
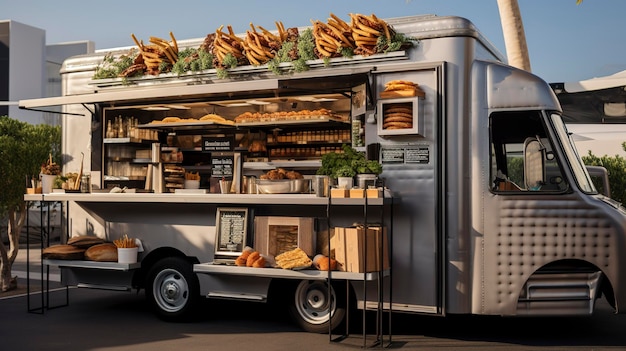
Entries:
{"x":105,"y":252}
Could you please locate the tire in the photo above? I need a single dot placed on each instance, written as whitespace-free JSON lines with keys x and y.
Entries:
{"x":310,"y":306}
{"x":173,"y":289}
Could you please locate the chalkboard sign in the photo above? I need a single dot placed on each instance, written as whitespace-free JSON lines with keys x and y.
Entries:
{"x":231,"y":226}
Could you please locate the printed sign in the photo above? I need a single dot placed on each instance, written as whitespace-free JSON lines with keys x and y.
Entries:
{"x":231,"y":228}
{"x":210,"y":144}
{"x":222,"y":166}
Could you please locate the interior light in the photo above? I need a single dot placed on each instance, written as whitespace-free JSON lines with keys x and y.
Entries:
{"x":305,"y":98}
{"x":156,"y":108}
{"x":179,"y":107}
{"x":257,"y":102}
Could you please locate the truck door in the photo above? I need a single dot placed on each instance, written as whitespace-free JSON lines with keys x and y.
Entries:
{"x":522,"y":211}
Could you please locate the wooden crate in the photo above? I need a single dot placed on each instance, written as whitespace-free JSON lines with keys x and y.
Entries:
{"x":274,"y":235}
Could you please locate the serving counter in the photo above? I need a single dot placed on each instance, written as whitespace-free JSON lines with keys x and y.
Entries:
{"x":234,"y":199}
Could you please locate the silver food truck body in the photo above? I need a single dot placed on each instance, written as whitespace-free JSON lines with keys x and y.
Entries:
{"x":489,"y":209}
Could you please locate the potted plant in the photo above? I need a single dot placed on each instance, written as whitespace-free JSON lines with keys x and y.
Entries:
{"x":345,"y":176}
{"x":367,"y":171}
{"x":348,"y":163}
{"x":49,"y":172}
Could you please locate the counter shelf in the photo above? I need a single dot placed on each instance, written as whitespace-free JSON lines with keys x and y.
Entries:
{"x":91,"y":264}
{"x":309,"y":274}
{"x":234,"y":199}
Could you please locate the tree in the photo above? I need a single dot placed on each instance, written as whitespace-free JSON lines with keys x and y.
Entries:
{"x":23,"y":149}
{"x":514,"y":35}
{"x":616,"y":168}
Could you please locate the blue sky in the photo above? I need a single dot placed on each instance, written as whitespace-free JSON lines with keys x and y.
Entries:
{"x":567,"y":42}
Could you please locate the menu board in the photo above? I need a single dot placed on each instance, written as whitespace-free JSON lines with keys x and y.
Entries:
{"x":222,"y":166}
{"x":231,"y":231}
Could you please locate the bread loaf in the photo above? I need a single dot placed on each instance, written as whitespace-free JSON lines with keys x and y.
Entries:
{"x":84,"y":241}
{"x":105,"y":252}
{"x":324,"y":263}
{"x":63,"y":252}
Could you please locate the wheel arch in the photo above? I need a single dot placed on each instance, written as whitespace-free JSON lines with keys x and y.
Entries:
{"x":154,"y":256}
{"x":567,"y":286}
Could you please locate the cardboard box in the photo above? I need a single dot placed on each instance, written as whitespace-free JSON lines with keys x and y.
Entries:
{"x":31,"y":191}
{"x":274,"y":235}
{"x":348,"y":245}
{"x":374,"y":193}
{"x":357,"y":193}
{"x":339,"y":193}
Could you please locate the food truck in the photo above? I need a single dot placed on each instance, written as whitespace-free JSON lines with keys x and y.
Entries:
{"x":483,"y":205}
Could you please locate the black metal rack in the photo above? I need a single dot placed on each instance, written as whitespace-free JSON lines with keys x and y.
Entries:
{"x":44,"y":237}
{"x":381,"y":271}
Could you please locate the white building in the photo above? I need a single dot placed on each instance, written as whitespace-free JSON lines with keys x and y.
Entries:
{"x":29,"y":68}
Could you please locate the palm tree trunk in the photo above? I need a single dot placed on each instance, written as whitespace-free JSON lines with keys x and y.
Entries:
{"x":514,"y":36}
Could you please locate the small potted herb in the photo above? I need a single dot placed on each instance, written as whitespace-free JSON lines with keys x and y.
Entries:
{"x":349,"y":163}
{"x":49,"y":172}
{"x":345,"y":176}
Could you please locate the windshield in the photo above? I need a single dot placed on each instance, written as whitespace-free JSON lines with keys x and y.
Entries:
{"x":580,"y":172}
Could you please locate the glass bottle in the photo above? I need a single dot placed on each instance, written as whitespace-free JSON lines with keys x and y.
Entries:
{"x":121,"y":132}
{"x":109,"y":131}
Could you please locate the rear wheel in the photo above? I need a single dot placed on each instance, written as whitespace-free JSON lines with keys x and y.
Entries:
{"x":173,"y":289}
{"x":312,"y":305}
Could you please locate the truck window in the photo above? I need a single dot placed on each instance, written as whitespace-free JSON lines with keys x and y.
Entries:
{"x":522,"y":156}
{"x":579,"y":170}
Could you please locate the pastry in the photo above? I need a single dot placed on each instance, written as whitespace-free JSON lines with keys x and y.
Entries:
{"x":293,"y":259}
{"x":242,"y":260}
{"x":252,"y":257}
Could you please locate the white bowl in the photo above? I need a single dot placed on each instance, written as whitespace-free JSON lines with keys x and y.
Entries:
{"x":192,"y":184}
{"x":279,"y":186}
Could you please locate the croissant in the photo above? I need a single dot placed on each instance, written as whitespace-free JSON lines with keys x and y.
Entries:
{"x":252,"y":257}
{"x":242,"y":260}
{"x":259,"y":263}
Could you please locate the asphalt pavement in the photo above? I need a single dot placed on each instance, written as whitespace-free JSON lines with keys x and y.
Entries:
{"x":99,"y":320}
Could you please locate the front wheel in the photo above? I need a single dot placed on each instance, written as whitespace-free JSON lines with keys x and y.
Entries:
{"x":312,"y":307}
{"x":173,"y":289}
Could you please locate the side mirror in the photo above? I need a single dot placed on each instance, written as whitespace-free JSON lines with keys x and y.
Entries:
{"x":534,"y":164}
{"x":601,"y":174}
